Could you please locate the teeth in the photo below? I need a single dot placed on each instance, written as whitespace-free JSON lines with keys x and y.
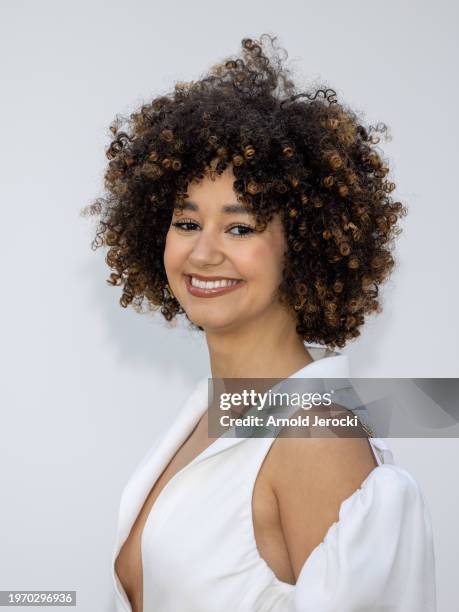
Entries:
{"x":212,"y":284}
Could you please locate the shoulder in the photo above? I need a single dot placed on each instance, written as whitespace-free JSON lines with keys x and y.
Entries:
{"x":310,"y":478}
{"x":316,"y":479}
{"x":300,"y":461}
{"x":366,"y":528}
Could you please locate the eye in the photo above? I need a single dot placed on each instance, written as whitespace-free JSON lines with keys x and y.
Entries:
{"x":246,"y":230}
{"x":185,"y":225}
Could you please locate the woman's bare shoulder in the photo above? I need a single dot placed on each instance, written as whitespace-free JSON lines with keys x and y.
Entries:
{"x":311,"y":477}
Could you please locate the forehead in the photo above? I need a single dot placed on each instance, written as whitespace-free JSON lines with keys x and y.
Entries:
{"x":215,"y":194}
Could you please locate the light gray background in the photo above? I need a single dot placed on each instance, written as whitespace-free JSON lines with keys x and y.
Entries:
{"x":86,"y":385}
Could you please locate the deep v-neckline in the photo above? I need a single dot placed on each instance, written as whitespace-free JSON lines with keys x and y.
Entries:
{"x":193,"y":411}
{"x":180,"y":433}
{"x":150,"y":469}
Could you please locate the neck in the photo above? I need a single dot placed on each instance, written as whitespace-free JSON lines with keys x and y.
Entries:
{"x":268,"y":347}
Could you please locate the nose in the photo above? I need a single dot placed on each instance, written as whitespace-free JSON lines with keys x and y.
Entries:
{"x":206,"y":250}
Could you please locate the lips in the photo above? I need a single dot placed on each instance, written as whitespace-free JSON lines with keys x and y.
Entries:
{"x":214,"y":292}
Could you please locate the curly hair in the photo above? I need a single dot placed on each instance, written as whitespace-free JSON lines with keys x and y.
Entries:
{"x":303,"y":155}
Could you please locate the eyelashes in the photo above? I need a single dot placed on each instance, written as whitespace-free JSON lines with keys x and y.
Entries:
{"x":185,"y":224}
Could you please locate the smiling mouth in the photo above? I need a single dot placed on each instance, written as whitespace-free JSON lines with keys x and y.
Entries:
{"x":211,"y":288}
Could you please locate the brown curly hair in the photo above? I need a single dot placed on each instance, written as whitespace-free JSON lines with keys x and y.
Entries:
{"x":300,"y":154}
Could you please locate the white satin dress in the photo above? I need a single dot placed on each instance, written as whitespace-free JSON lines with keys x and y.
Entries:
{"x":198,"y":547}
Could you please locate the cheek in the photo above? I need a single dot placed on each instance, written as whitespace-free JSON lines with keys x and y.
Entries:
{"x":174,"y":252}
{"x":262,"y":262}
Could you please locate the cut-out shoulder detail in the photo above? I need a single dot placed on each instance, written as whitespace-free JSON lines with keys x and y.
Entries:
{"x":310,"y":477}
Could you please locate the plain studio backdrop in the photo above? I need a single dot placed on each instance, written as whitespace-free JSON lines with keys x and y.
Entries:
{"x":87,"y":386}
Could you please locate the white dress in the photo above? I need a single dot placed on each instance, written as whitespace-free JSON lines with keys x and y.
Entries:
{"x":198,"y":547}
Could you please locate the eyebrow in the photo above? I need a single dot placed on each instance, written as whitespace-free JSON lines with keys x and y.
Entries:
{"x":226,"y":208}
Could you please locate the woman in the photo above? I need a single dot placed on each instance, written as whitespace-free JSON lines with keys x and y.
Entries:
{"x":264,"y":216}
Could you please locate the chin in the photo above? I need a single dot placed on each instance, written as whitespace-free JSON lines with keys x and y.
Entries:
{"x":215,"y":323}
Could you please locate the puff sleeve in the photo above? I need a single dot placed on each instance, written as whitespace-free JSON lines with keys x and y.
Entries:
{"x":378,"y":556}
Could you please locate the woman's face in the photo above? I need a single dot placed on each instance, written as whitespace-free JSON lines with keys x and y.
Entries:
{"x":214,"y":238}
